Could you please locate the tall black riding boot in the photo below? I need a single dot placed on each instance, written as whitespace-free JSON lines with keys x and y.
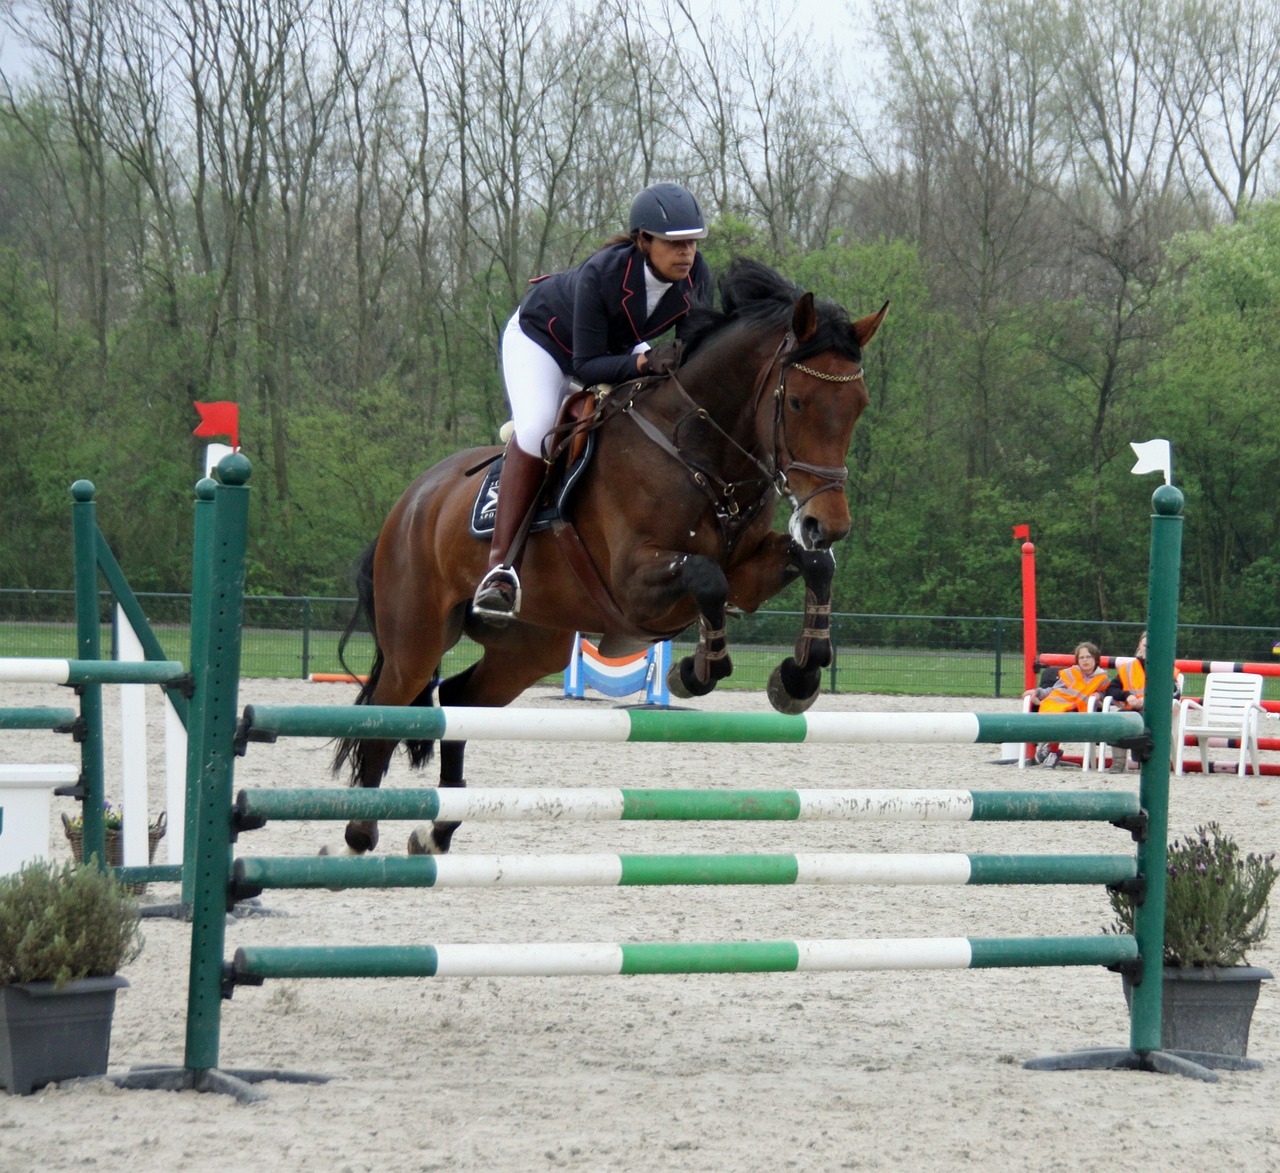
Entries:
{"x":498,"y":595}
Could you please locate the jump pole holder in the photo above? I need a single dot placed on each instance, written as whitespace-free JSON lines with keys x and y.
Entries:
{"x":1029,"y":640}
{"x":1144,"y":1050}
{"x":92,"y":556}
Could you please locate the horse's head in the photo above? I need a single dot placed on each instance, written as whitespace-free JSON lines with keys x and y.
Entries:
{"x":818,"y":396}
{"x":790,"y":368}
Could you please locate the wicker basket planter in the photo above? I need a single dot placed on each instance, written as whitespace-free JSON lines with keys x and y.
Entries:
{"x":115,"y":844}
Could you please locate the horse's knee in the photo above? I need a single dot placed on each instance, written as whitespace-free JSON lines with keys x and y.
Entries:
{"x":705,"y":580}
{"x":817,"y":569}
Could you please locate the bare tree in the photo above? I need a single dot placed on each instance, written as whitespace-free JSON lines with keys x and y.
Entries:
{"x":969,"y":89}
{"x":68,"y":42}
{"x":787,"y":148}
{"x":1118,"y":73}
{"x":1228,"y":95}
{"x":140,"y":133}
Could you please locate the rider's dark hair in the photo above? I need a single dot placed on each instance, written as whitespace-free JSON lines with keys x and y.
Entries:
{"x":620,"y":238}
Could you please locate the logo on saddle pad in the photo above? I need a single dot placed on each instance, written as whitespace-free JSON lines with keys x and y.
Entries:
{"x":485,"y":507}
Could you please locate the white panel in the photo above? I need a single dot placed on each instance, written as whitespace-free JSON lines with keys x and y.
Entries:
{"x":599,"y":805}
{"x":949,"y":806}
{"x":175,"y":773}
{"x":133,"y":748}
{"x":892,"y":728}
{"x":486,"y":871}
{"x":535,"y":725}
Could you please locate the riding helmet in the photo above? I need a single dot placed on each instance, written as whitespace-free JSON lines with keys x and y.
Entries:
{"x":668,"y":211}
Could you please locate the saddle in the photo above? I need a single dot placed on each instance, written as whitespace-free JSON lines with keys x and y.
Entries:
{"x":570,"y":446}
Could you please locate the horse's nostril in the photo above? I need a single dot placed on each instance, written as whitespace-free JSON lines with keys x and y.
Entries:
{"x":814,"y":534}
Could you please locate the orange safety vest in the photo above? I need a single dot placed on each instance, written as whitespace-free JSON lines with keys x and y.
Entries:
{"x":1133,"y":678}
{"x":1073,"y":690}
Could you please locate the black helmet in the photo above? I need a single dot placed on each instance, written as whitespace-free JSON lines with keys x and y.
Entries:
{"x":669,"y":211}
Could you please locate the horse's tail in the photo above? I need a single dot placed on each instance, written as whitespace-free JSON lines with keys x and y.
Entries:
{"x":350,"y":750}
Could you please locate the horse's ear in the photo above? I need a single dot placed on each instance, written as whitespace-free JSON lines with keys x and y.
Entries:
{"x":864,"y":329}
{"x":804,"y":320}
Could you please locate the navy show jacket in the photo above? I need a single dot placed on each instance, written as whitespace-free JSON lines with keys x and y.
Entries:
{"x":589,"y":318}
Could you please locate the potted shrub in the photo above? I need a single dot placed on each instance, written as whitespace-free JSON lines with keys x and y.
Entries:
{"x":1215,"y":911}
{"x":65,"y":930}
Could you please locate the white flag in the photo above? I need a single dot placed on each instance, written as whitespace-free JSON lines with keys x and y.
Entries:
{"x":214,"y":453}
{"x":1154,"y":456}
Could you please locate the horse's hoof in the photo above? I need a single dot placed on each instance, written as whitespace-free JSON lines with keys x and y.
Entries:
{"x":421,"y":841}
{"x":684,"y":684}
{"x":675,"y":684}
{"x":781,"y":699}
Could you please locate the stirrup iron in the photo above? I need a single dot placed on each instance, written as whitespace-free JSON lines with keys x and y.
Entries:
{"x":492,"y":577}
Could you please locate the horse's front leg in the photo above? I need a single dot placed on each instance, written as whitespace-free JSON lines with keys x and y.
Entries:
{"x":698,"y":674}
{"x":793,"y":685}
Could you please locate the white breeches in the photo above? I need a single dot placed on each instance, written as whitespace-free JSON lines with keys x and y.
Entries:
{"x":535,"y":385}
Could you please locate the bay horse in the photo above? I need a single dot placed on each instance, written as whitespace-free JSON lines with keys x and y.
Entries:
{"x":671,"y":522}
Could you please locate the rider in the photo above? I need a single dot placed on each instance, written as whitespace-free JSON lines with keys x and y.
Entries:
{"x":591,"y":322}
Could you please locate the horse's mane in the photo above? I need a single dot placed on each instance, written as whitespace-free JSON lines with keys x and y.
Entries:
{"x":751,"y":293}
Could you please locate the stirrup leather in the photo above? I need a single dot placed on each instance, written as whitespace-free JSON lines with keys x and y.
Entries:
{"x":490,"y":585}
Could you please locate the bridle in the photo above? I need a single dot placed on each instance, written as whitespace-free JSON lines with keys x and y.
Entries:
{"x":775,"y":467}
{"x":832,"y":477}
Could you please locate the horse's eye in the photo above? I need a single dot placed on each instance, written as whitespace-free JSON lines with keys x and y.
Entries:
{"x":793,"y":402}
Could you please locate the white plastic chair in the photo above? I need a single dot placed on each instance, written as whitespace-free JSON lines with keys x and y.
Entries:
{"x":1086,"y":752}
{"x":1097,"y":753}
{"x":1230,"y":708}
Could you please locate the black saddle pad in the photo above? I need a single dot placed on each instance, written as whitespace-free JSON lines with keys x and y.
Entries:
{"x":485,"y":507}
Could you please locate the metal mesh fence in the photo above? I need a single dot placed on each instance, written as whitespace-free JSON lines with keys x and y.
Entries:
{"x":907,"y":654}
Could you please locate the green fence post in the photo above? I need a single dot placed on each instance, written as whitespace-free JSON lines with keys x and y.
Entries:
{"x":306,"y":637}
{"x":217,"y":676}
{"x":999,"y":651}
{"x":1162,"y":635}
{"x":197,"y":662}
{"x":84,"y":529}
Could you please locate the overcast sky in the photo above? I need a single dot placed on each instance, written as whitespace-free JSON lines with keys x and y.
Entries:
{"x":838,"y":23}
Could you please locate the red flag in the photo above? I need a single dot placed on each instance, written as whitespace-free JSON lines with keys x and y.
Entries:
{"x":219,"y":419}
{"x":1023,"y":532}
